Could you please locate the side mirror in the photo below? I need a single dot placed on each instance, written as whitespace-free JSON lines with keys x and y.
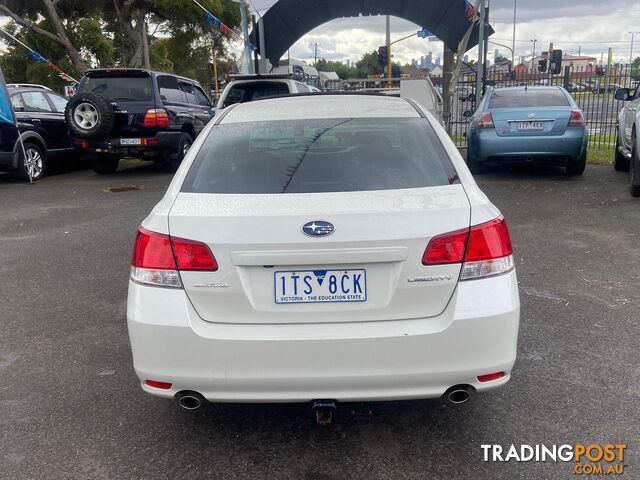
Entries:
{"x":163,"y":97}
{"x":468,"y":114}
{"x":472,"y":97}
{"x":446,"y":115}
{"x":623,"y":94}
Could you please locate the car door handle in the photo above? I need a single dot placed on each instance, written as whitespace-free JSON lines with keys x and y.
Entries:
{"x":184,"y":115}
{"x":36,"y":120}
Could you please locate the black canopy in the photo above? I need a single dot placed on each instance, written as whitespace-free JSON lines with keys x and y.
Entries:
{"x":288,"y":20}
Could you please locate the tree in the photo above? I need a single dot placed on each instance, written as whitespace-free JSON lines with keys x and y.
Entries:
{"x":635,"y":69}
{"x":104,"y":33}
{"x":343,"y":71}
{"x":368,"y":65}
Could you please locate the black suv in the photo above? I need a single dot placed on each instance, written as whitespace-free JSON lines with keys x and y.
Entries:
{"x":118,"y":113}
{"x":40,"y":114}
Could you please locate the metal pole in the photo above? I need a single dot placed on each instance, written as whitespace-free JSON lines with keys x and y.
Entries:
{"x":533,"y":56}
{"x":389,"y":66}
{"x":263,"y":47}
{"x":245,"y":37}
{"x":513,"y":49}
{"x":633,"y":35}
{"x":216,"y":85}
{"x":480,"y":64}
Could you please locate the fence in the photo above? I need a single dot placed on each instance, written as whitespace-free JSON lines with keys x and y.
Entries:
{"x":593,"y":89}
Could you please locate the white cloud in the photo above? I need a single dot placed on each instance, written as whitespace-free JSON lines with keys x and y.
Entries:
{"x":589,"y":25}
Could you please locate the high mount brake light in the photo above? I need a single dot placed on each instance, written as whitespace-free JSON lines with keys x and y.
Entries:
{"x":158,"y":258}
{"x":484,"y":250}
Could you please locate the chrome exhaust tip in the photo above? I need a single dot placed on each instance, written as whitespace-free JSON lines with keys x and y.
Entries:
{"x":190,"y":400}
{"x":458,"y":394}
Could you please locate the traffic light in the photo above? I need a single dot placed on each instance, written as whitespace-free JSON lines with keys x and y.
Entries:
{"x":542,"y":65}
{"x":382,"y":56}
{"x":555,"y":62}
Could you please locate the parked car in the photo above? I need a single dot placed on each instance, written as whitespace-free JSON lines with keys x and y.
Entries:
{"x":627,"y":156}
{"x":134,"y":112}
{"x":309,"y":241}
{"x":40,"y":115}
{"x":247,"y":88}
{"x":28,"y":85}
{"x":541,"y":124}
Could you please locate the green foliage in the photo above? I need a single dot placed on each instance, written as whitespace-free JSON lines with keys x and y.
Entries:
{"x":368,"y":65}
{"x":340,"y":68}
{"x":95,"y":46}
{"x":635,"y":69}
{"x":180,"y":38}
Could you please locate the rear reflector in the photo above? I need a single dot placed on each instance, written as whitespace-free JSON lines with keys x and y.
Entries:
{"x":577,"y":119}
{"x":157,"y":259}
{"x":484,"y":250}
{"x":490,"y":377}
{"x":156,"y":117}
{"x":160,"y":385}
{"x":485,"y":121}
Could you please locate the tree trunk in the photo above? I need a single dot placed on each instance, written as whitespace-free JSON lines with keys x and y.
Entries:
{"x":61,"y":37}
{"x":71,"y":50}
{"x":137,"y":34}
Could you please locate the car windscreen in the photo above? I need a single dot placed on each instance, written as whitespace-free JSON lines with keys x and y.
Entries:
{"x":250,"y":91}
{"x":316,"y":156}
{"x":130,"y":87}
{"x":528,"y":98}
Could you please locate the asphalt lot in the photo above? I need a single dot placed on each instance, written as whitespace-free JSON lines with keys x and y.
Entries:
{"x":71,"y":408}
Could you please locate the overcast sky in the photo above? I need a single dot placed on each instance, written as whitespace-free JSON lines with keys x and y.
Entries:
{"x":592,"y":25}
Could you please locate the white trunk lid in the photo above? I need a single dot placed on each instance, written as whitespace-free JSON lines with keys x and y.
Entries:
{"x":375,"y":252}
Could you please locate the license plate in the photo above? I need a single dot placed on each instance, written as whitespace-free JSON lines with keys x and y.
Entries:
{"x":130,"y":141}
{"x":530,"y":126}
{"x":320,"y":286}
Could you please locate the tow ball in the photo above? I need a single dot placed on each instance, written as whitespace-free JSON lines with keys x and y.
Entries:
{"x":323,"y":411}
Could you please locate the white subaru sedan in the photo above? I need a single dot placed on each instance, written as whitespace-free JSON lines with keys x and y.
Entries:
{"x":323,"y":247}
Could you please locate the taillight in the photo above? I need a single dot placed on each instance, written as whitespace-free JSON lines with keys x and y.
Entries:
{"x":446,"y":249}
{"x":156,"y":117}
{"x":193,"y":256}
{"x":157,"y":259}
{"x":577,"y":119}
{"x":484,"y":250}
{"x":485,"y":121}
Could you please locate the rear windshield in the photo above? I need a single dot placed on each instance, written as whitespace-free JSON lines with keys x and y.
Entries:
{"x":528,"y":98}
{"x":249,"y":91}
{"x":128,"y":87}
{"x":338,"y":155}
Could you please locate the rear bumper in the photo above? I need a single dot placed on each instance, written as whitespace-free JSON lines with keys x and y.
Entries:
{"x":487,"y":146}
{"x":421,"y":358}
{"x":161,"y":141}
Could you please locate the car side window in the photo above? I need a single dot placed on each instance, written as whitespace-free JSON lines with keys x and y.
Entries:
{"x":169,"y":89}
{"x":201,"y":97}
{"x":58,"y":102}
{"x":18,"y":104}
{"x":35,"y":102}
{"x":188,"y":92}
{"x":302,"y":88}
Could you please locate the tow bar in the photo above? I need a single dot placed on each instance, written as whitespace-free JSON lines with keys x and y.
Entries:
{"x":324,"y":410}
